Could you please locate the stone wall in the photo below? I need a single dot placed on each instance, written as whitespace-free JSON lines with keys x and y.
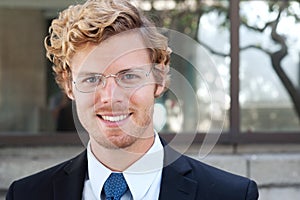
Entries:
{"x":276,"y":168}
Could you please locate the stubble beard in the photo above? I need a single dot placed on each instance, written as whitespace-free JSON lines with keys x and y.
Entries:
{"x":124,"y":137}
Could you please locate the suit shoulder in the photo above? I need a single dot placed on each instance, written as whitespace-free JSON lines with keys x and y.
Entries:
{"x":42,"y":180}
{"x":48,"y":172}
{"x":201,"y":169}
{"x":222,"y":182}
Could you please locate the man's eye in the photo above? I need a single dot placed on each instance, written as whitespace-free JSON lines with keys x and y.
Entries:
{"x":92,"y":79}
{"x":131,"y":76}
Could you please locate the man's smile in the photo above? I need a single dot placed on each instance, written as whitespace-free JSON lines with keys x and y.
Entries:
{"x":114,"y":118}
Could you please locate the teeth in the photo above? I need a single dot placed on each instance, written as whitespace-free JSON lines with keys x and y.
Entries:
{"x":114,"y":118}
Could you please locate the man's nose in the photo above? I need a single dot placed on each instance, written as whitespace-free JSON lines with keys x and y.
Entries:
{"x":110,"y":91}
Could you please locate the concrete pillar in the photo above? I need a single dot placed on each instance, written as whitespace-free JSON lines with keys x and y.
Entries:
{"x":22,"y":69}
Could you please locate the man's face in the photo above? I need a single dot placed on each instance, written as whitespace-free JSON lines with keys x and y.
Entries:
{"x":115,"y":117}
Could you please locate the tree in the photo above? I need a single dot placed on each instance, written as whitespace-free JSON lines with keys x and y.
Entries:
{"x":276,"y":57}
{"x":184,"y":16}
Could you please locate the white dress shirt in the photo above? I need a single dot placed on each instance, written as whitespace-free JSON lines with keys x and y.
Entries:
{"x":143,"y":177}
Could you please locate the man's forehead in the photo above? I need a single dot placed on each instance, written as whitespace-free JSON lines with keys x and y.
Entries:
{"x":111,"y":49}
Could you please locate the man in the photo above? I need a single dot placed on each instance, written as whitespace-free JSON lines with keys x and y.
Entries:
{"x":113,"y":63}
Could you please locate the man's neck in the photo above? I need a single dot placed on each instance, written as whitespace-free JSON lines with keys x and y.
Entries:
{"x":121,"y":158}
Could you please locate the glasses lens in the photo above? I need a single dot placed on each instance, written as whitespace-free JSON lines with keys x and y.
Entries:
{"x":127,"y":79}
{"x":131,"y":79}
{"x":88,"y":83}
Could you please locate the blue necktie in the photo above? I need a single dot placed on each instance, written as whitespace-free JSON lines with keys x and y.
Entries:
{"x":115,"y":186}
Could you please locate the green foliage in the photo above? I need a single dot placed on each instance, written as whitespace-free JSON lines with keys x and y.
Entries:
{"x":187,"y":13}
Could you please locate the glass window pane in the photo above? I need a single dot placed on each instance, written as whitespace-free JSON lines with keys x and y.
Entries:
{"x":199,"y":93}
{"x":269,"y":64}
{"x":214,"y":36}
{"x":27,"y":88}
{"x":23,"y":101}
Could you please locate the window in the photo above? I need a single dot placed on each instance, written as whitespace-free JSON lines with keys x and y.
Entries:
{"x":253,"y":100}
{"x":267,"y":85}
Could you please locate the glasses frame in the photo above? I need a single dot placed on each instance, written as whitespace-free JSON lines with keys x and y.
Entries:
{"x":116,"y":77}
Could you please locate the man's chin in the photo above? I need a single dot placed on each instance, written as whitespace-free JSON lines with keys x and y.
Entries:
{"x":118,"y":142}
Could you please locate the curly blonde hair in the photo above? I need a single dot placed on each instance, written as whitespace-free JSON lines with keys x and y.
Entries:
{"x":95,"y":21}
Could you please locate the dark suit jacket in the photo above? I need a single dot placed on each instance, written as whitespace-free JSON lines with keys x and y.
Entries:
{"x":183,"y":179}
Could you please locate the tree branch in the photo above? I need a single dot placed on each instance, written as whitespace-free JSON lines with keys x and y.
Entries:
{"x":256,"y":47}
{"x":211,"y":50}
{"x":278,"y":56}
{"x":243,"y":22}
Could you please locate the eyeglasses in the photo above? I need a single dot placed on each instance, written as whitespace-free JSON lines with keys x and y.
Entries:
{"x":131,"y":78}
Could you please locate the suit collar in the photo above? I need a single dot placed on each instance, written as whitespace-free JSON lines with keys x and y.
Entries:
{"x":175,"y":182}
{"x":69,"y":183}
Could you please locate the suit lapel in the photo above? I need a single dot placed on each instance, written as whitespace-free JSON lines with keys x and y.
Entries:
{"x":68,"y":184}
{"x":175,"y":186}
{"x":175,"y":183}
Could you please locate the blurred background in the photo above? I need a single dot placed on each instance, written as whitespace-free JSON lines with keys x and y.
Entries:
{"x":252,"y":49}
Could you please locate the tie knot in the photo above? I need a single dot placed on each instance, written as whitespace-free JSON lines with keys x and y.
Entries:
{"x":115,"y":186}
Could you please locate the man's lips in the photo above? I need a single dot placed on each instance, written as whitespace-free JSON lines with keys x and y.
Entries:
{"x":114,"y":118}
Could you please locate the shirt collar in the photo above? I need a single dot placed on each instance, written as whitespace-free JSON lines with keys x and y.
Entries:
{"x":145,"y":171}
{"x":97,"y":173}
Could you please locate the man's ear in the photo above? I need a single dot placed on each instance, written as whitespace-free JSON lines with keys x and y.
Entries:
{"x":67,"y":85}
{"x":159,"y":90}
{"x":161,"y":74}
{"x":69,"y":90}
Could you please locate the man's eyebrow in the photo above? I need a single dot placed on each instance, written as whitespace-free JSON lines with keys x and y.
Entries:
{"x":80,"y":74}
{"x":129,"y":68}
{"x":125,"y":70}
